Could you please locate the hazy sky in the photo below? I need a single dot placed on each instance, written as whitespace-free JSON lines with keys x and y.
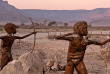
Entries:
{"x":60,"y":4}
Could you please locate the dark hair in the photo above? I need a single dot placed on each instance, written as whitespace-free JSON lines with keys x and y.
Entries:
{"x":10,"y":28}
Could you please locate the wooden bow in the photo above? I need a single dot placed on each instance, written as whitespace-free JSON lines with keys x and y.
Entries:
{"x":34,"y":34}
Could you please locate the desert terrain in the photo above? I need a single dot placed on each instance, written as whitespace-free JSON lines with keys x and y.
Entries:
{"x":47,"y":48}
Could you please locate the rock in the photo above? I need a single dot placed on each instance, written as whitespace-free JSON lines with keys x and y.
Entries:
{"x":13,"y":67}
{"x":55,"y":67}
{"x":50,"y":63}
{"x":56,"y":63}
{"x":28,"y":63}
{"x":32,"y":64}
{"x":62,"y":67}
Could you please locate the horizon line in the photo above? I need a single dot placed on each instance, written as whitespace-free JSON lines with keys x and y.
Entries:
{"x":65,"y":9}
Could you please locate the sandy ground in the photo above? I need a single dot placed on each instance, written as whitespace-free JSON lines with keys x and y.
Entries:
{"x":48,"y":48}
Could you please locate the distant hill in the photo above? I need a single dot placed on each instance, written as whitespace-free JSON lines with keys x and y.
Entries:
{"x":71,"y":16}
{"x":9,"y":13}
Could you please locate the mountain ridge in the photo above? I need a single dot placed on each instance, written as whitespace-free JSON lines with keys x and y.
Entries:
{"x":9,"y":13}
{"x":69,"y":15}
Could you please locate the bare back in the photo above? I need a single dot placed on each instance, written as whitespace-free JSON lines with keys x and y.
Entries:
{"x":7,"y":41}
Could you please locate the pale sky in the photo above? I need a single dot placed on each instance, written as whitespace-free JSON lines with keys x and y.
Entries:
{"x":60,"y":4}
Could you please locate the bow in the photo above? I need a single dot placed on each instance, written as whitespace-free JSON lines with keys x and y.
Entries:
{"x":34,"y":34}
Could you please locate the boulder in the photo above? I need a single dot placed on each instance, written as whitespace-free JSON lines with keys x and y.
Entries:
{"x":28,"y":63}
{"x":32,"y":63}
{"x":13,"y":67}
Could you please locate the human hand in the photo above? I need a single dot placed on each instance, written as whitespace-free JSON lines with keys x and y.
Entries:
{"x":34,"y":32}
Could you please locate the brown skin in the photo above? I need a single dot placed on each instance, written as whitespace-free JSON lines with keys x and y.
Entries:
{"x":76,"y":51}
{"x":6,"y":44}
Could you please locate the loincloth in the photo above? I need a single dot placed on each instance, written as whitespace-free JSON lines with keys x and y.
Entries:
{"x":75,"y":58}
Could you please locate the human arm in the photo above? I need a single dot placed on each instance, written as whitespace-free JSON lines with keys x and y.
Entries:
{"x":63,"y":37}
{"x":1,"y":37}
{"x":98,"y":43}
{"x":17,"y":37}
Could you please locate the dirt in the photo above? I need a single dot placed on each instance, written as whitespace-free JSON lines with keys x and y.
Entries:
{"x":48,"y":48}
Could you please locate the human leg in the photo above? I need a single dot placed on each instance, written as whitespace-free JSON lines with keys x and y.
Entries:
{"x":80,"y":68}
{"x":69,"y":68}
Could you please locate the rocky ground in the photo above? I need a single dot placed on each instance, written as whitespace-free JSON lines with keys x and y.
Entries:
{"x":48,"y":48}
